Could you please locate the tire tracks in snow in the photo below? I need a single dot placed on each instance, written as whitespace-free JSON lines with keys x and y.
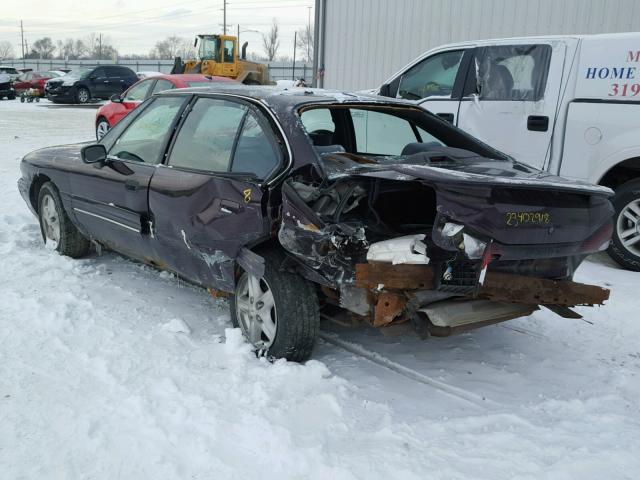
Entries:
{"x":385,"y":362}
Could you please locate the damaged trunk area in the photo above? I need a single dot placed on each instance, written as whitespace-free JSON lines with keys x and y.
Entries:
{"x":395,"y":248}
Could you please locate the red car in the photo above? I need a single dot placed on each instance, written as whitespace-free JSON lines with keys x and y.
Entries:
{"x":31,"y":79}
{"x":113,"y":111}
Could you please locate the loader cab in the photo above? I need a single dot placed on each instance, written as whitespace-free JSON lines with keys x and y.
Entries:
{"x":218,"y":54}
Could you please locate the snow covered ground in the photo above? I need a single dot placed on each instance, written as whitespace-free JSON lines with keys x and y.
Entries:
{"x":112,"y":370}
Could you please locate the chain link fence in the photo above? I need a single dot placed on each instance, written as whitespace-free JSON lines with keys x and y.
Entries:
{"x":277,"y":70}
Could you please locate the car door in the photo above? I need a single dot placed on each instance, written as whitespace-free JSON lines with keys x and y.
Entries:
{"x":228,"y":58}
{"x":511,"y":96}
{"x":99,"y":83}
{"x":435,"y":82}
{"x":110,"y":200}
{"x":208,"y":202}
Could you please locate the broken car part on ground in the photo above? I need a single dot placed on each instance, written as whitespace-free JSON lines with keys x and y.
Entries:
{"x":293,"y":201}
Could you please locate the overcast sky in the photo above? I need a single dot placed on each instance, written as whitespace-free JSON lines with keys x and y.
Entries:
{"x":135,"y":26}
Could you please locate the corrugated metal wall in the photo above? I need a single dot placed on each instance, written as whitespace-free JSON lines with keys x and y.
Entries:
{"x":366,"y":41}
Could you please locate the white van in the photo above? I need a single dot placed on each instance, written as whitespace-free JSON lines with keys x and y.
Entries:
{"x":566,"y":104}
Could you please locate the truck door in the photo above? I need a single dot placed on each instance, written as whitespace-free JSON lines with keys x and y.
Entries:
{"x":511,"y":96}
{"x":435,"y":82}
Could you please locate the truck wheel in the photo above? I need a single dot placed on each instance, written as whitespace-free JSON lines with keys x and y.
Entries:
{"x":83,"y":95}
{"x":55,"y":225}
{"x":278,"y":313}
{"x":625,"y":243}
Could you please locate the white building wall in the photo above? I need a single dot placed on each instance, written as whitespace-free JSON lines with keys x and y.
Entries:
{"x":366,"y":41}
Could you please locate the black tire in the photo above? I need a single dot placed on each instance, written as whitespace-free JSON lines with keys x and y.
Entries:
{"x":71,"y":242}
{"x":296,"y":304}
{"x":625,"y":195}
{"x":21,"y":99}
{"x":11,"y":97}
{"x":83,"y":95}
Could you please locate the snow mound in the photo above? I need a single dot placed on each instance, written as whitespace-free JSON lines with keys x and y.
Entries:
{"x":176,"y":325}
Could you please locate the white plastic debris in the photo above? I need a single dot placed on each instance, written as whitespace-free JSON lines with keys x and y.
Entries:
{"x":473,"y":247}
{"x":408,"y":249}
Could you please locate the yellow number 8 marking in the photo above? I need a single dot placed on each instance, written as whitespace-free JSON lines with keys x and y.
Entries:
{"x":247,"y":195}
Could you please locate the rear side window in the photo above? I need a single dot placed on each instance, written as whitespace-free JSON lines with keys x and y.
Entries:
{"x":98,"y":73}
{"x":223,"y":136}
{"x":206,"y":139}
{"x":512,"y":72}
{"x":138,"y":92}
{"x":161,"y":86}
{"x":256,"y":151}
{"x":434,"y":76}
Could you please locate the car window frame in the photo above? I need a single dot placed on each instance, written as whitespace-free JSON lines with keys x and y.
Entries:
{"x":276,"y":129}
{"x":131,"y":118}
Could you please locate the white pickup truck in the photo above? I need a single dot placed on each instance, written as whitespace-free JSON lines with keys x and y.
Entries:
{"x":566,"y":104}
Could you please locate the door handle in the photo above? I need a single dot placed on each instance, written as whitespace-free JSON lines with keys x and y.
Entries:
{"x":132,"y":185}
{"x":538,"y":123}
{"x":446,"y":116}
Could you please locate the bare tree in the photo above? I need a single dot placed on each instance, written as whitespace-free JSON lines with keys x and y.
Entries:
{"x":171,"y":47}
{"x":6,"y":50}
{"x":304,"y":42}
{"x":271,"y":41}
{"x":43,"y":48}
{"x":71,"y":49}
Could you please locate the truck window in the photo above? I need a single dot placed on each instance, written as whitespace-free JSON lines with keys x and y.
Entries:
{"x":229,"y":47}
{"x":512,"y":72}
{"x":434,"y":76}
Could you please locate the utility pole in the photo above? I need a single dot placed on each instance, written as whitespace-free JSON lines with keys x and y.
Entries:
{"x":238,"y":36}
{"x":224,"y":18}
{"x":295,"y":40}
{"x":22,"y":37}
{"x":100,"y":47}
{"x":308,"y":39}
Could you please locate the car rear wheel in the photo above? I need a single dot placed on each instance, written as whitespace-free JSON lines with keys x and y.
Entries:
{"x":102,"y":127}
{"x":625,"y":243}
{"x":277,"y":313}
{"x":56,"y":227}
{"x":83,"y":95}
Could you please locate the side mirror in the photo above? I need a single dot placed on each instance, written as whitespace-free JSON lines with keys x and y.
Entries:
{"x":116,"y":98}
{"x":94,"y":153}
{"x":385,"y":91}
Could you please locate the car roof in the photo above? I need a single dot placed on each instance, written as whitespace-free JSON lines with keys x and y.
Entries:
{"x":193,"y":77}
{"x":278,"y":98}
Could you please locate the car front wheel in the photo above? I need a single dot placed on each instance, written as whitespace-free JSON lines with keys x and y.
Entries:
{"x":625,"y":243}
{"x":55,"y":225}
{"x":277,"y":313}
{"x":83,"y":95}
{"x":102,"y":127}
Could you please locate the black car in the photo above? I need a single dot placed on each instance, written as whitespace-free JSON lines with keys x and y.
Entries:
{"x":6,"y":87}
{"x":84,"y":84}
{"x":290,"y":202}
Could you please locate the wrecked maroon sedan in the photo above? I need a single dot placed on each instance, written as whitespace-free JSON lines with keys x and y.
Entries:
{"x":293,"y":201}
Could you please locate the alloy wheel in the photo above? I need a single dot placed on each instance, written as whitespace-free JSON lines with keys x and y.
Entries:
{"x":50,"y":219}
{"x":628,"y":227}
{"x":102,"y":129}
{"x":256,"y":310}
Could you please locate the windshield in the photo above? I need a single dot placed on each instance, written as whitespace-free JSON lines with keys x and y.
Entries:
{"x":393,"y":132}
{"x":210,"y":47}
{"x":78,"y":73}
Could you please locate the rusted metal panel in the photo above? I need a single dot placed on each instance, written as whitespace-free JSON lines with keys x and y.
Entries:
{"x":505,"y":287}
{"x":395,"y":277}
{"x":388,"y":307}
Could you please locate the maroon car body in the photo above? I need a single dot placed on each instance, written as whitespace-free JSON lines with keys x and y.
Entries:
{"x":31,"y":79}
{"x":236,"y":174}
